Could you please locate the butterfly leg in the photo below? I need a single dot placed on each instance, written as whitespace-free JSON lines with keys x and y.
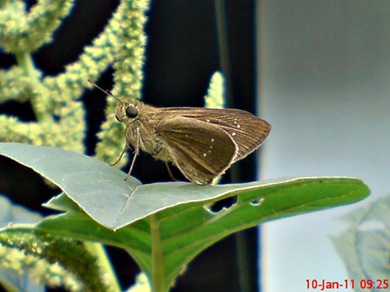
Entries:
{"x":120,"y":156}
{"x":135,"y":153}
{"x":170,"y":172}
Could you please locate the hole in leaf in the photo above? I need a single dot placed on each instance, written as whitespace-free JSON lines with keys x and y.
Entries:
{"x":257,"y":202}
{"x":221,"y":205}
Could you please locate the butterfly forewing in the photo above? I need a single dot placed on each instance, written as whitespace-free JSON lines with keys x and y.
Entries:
{"x":246,"y":130}
{"x":201,"y":150}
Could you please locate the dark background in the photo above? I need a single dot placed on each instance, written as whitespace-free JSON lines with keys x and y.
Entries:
{"x":181,"y":55}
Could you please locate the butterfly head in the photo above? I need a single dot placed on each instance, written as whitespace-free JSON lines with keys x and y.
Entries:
{"x":127,"y":111}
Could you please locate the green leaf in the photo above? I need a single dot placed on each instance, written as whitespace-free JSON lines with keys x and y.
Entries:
{"x":163,"y":226}
{"x":101,"y":191}
{"x":364,"y":245}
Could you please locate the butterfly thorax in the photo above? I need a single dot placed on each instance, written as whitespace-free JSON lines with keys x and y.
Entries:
{"x":141,"y":121}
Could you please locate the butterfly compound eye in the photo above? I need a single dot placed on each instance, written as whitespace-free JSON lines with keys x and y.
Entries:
{"x":131,"y":112}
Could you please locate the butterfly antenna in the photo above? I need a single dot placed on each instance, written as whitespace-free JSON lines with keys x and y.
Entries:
{"x":103,"y":90}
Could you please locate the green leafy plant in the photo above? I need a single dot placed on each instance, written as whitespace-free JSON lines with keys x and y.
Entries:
{"x":163,"y":226}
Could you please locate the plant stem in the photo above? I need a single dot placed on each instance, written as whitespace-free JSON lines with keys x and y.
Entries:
{"x":99,"y":252}
{"x":243,"y":260}
{"x":158,"y":275}
{"x":223,"y":47}
{"x":26,"y":63}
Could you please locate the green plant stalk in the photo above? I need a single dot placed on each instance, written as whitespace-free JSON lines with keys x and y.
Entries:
{"x":224,"y":59}
{"x":243,"y":261}
{"x":27,"y":64}
{"x":223,"y":47}
{"x":158,"y":281}
{"x":99,"y":252}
